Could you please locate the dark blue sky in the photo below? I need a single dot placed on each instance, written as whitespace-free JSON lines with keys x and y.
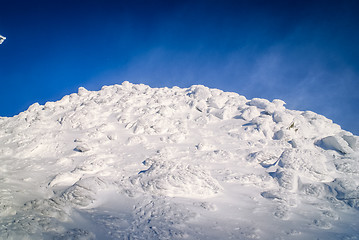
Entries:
{"x":304,"y":52}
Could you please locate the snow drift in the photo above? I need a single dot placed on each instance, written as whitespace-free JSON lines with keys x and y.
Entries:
{"x":134,"y":162}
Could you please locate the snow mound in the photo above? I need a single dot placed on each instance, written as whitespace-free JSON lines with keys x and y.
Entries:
{"x":135,"y":162}
{"x":175,"y":179}
{"x":344,"y":144}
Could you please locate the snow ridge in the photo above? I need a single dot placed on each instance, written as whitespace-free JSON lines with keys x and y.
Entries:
{"x":134,"y":162}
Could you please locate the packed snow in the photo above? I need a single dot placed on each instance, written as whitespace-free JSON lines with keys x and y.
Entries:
{"x":134,"y":162}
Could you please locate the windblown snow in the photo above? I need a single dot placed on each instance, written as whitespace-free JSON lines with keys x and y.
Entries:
{"x":134,"y":162}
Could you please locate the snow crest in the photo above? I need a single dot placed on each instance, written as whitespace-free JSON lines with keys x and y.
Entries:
{"x":134,"y":162}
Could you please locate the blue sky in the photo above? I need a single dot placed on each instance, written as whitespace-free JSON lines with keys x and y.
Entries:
{"x":304,"y":52}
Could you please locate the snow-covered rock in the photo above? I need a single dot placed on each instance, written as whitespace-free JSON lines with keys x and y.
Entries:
{"x":135,"y":162}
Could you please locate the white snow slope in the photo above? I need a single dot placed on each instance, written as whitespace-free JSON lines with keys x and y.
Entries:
{"x":134,"y":162}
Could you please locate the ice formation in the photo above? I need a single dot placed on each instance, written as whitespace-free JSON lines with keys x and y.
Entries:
{"x":134,"y":162}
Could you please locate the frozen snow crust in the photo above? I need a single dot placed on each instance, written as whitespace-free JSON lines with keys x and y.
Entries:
{"x":134,"y":162}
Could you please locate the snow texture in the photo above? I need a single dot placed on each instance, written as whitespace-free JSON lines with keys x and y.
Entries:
{"x":134,"y":162}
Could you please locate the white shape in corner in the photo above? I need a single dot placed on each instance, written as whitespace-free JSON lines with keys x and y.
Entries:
{"x":2,"y":38}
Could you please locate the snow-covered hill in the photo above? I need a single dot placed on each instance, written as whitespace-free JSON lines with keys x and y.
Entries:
{"x":134,"y":162}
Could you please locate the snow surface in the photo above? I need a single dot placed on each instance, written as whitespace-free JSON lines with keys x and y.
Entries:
{"x":134,"y":162}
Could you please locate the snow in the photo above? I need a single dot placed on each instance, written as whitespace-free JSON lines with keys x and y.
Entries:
{"x":135,"y":162}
